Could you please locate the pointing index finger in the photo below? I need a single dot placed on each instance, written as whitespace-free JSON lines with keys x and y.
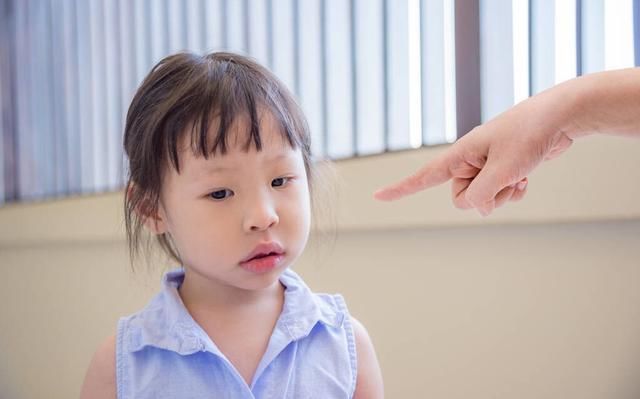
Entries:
{"x":434,"y":173}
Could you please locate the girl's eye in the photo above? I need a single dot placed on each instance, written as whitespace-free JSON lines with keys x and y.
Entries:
{"x":279,"y":182}
{"x":221,"y":194}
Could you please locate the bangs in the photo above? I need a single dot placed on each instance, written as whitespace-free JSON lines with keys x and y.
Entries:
{"x":220,"y":90}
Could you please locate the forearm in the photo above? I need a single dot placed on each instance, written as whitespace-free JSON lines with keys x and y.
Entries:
{"x":603,"y":103}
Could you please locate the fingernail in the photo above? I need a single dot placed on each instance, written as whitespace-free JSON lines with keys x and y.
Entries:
{"x":522,"y":185}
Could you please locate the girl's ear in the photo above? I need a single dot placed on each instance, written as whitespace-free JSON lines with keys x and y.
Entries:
{"x":153,"y":220}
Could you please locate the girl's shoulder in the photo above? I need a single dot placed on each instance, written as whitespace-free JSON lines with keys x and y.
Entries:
{"x":100,"y":379}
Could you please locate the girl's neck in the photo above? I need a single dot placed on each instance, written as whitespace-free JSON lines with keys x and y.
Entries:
{"x":199,"y":294}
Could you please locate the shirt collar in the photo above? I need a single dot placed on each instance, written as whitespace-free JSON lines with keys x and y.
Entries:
{"x":166,"y":324}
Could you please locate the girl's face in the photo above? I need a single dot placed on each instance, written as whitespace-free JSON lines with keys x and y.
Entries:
{"x":241,"y":218}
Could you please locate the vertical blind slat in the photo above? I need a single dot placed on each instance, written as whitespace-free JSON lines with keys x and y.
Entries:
{"x":235,"y":40}
{"x":618,"y":34}
{"x":324,"y":50}
{"x":283,"y":62}
{"x":542,"y":49}
{"x":520,"y":33}
{"x":467,"y":66}
{"x":592,"y":34}
{"x":384,"y":45}
{"x":496,"y":46}
{"x":159,"y":31}
{"x":369,"y":70}
{"x":22,"y":100}
{"x":311,"y":75}
{"x":177,"y":18}
{"x":257,"y":31}
{"x":338,"y":82}
{"x":58,"y":98}
{"x":99,"y":150}
{"x":86,"y":96}
{"x":433,"y":84}
{"x":414,"y":73}
{"x":214,"y":24}
{"x":8,"y":128}
{"x":397,"y":62}
{"x":194,"y":25}
{"x":72,"y":96}
{"x":40,"y":94}
{"x":579,"y":41}
{"x":565,"y":40}
{"x":113,"y":94}
{"x":295,"y":16}
{"x":128,"y":35}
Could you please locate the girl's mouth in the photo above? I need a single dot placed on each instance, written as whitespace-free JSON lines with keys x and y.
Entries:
{"x":265,"y":256}
{"x":263,"y":263}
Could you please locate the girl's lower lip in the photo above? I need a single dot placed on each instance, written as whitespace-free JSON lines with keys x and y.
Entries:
{"x":262,"y":265}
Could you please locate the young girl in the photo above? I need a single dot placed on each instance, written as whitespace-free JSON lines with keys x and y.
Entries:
{"x":220,"y":168}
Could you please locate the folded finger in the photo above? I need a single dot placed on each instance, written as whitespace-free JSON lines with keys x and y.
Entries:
{"x":504,"y":195}
{"x":521,"y":190}
{"x":458,"y":193}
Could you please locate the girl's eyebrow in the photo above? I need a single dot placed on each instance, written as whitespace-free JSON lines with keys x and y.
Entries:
{"x":217,"y":169}
{"x":282,"y":155}
{"x":206,"y":170}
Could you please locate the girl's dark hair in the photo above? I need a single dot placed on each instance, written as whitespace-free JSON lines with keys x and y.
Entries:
{"x":187,"y":94}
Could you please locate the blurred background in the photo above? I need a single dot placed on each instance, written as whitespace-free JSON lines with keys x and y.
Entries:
{"x":540,"y":300}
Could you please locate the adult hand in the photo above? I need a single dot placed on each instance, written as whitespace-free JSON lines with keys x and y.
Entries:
{"x":489,"y":165}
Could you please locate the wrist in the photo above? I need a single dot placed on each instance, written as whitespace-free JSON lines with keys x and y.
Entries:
{"x":577,"y":107}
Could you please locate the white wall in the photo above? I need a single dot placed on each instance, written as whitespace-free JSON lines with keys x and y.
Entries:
{"x":538,"y":301}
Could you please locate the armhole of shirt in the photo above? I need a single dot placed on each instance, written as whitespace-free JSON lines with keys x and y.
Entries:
{"x":120,"y":374}
{"x":351,"y":342}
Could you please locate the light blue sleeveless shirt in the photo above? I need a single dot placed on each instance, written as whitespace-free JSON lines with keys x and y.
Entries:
{"x":161,"y":352}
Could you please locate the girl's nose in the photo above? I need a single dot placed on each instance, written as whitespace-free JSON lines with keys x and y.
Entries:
{"x":260,"y":216}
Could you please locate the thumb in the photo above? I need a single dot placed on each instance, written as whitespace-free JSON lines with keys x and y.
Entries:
{"x":434,"y":173}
